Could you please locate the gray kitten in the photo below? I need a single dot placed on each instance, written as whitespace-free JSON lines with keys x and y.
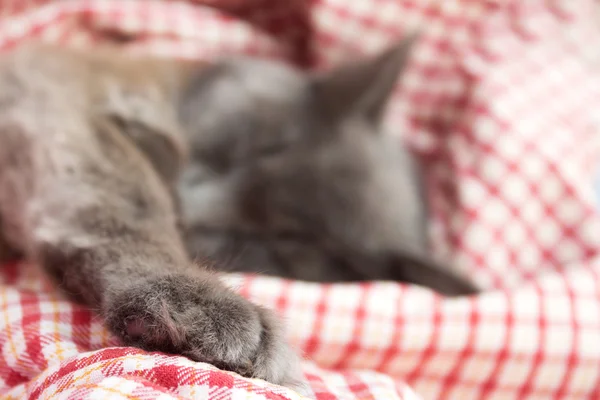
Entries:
{"x":292,"y":166}
{"x":89,"y":150}
{"x":291,"y":175}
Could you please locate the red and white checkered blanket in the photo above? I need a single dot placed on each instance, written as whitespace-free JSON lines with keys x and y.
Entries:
{"x":501,"y":100}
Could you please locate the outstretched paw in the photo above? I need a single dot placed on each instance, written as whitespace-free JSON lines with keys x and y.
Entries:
{"x":202,"y":320}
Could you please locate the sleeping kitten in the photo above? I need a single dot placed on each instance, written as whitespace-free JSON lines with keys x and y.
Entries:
{"x":291,"y":175}
{"x":291,"y":166}
{"x":89,"y":151}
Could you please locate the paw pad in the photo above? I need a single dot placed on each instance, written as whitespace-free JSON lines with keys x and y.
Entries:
{"x":134,"y":327}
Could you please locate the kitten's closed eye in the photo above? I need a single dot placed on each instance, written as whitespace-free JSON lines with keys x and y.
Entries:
{"x":240,"y":145}
{"x":272,"y":149}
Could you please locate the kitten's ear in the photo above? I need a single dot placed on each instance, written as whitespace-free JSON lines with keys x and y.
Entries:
{"x":363,"y":87}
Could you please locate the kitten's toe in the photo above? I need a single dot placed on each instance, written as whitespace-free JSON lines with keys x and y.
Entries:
{"x":275,"y":361}
{"x":202,"y":320}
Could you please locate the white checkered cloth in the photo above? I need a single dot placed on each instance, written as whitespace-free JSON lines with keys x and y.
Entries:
{"x":502,"y":103}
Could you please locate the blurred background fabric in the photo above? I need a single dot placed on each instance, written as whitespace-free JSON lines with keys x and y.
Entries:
{"x":501,"y":103}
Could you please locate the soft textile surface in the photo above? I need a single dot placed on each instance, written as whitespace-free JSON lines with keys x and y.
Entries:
{"x":502,"y":100}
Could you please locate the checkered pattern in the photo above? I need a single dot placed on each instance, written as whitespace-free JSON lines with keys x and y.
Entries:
{"x":501,"y":101}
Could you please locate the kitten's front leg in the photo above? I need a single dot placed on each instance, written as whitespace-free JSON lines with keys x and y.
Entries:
{"x":93,"y":212}
{"x":159,"y":304}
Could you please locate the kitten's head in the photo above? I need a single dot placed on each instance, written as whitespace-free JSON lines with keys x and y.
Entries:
{"x":277,"y":151}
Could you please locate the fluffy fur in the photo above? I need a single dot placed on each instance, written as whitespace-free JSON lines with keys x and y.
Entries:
{"x":90,"y":151}
{"x":291,"y":174}
{"x":278,"y":171}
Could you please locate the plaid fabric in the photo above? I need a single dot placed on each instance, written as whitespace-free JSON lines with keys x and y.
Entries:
{"x":501,"y":101}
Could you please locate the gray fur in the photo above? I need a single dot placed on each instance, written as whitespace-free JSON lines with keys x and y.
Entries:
{"x":288,"y":174}
{"x":291,"y":174}
{"x":84,"y":192}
